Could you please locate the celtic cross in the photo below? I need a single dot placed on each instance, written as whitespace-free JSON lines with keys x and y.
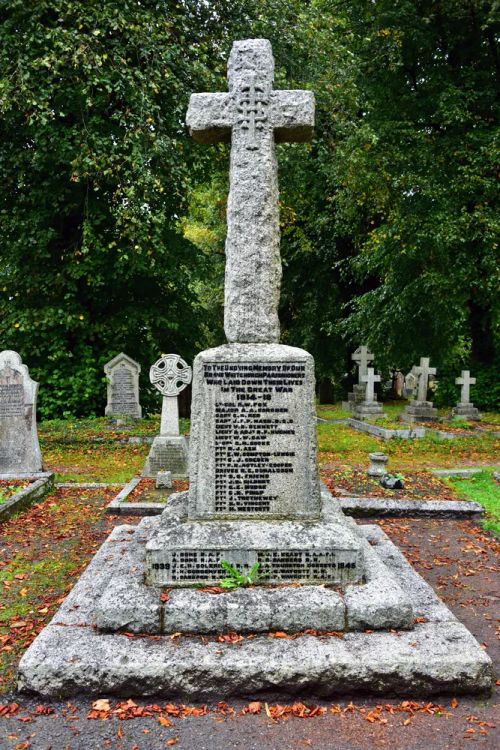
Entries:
{"x":362,"y":357}
{"x":253,"y":116}
{"x":170,"y":375}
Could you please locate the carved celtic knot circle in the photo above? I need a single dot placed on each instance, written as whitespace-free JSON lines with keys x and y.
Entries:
{"x":170,"y":374}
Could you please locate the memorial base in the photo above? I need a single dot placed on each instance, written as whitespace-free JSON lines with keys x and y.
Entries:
{"x":355,"y":397}
{"x":71,"y":656}
{"x":167,"y":454}
{"x":466,"y":411}
{"x":420,"y":411}
{"x":185,"y":552}
{"x":368,"y":410}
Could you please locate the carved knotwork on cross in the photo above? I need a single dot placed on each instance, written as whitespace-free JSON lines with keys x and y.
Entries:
{"x":252,"y":104}
{"x":170,"y":374}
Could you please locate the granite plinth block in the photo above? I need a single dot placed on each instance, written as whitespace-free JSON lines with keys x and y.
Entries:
{"x":128,"y":604}
{"x":167,"y":454}
{"x":183,"y":552}
{"x":71,"y":656}
{"x":368,"y":410}
{"x":420,"y":411}
{"x":466,"y":411}
{"x":253,"y":434}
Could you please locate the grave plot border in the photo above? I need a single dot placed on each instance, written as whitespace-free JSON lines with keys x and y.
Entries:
{"x":381,"y":507}
{"x":409,"y":433}
{"x":44,"y":483}
{"x":120,"y":506}
{"x":439,"y":655}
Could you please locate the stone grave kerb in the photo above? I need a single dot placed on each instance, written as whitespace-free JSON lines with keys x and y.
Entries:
{"x":17,"y":373}
{"x":111,"y":368}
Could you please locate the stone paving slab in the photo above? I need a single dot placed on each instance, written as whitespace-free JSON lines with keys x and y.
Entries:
{"x":70,"y":656}
{"x":386,"y":433}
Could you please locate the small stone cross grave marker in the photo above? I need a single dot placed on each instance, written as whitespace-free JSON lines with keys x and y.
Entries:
{"x":253,"y":116}
{"x":465,"y":381}
{"x":424,"y":372}
{"x":370,"y":379}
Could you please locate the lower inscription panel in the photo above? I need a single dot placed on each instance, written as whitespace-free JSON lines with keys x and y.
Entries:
{"x":276,"y":566}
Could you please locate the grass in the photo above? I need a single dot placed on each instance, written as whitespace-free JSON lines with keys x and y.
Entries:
{"x":89,"y":428}
{"x":102,"y":462}
{"x":481,"y":488}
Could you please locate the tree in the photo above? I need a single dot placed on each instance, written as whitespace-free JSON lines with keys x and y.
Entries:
{"x":96,"y":164}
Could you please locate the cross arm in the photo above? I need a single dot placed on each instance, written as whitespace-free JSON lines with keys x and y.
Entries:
{"x":293,"y":115}
{"x":210,"y":117}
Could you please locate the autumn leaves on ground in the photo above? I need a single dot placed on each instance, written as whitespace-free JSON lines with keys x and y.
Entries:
{"x":44,"y":549}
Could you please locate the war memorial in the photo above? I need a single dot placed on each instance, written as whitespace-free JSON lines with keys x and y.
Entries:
{"x":364,"y":620}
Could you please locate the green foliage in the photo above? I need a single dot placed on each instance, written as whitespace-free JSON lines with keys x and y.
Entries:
{"x":96,"y":169}
{"x":235,"y":579}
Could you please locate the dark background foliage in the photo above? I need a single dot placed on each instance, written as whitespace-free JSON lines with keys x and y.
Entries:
{"x":112,"y":220}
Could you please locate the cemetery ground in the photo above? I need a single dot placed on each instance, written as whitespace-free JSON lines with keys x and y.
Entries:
{"x":45,"y":548}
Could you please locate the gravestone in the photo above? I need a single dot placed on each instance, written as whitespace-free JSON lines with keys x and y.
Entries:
{"x":362,"y":357}
{"x":122,"y":373}
{"x":254,"y":492}
{"x":421,"y":410}
{"x":19,"y":447}
{"x":464,"y":408}
{"x":369,"y":407}
{"x":169,"y":451}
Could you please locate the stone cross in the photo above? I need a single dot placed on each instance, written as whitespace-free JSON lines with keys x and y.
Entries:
{"x":253,"y":117}
{"x":465,"y":381}
{"x":423,"y":371}
{"x":170,"y":375}
{"x":362,"y":356}
{"x":370,"y":379}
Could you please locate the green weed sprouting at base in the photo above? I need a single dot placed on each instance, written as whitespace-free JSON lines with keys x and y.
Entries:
{"x":236,"y":579}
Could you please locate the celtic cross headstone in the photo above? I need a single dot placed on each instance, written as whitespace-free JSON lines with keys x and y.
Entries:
{"x":362,"y":357}
{"x":170,"y":375}
{"x":254,"y":493}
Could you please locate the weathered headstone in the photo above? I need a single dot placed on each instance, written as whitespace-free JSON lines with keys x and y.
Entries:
{"x":123,"y":387}
{"x":253,"y":425}
{"x":362,"y":358}
{"x":421,"y":410}
{"x":464,"y":408}
{"x":19,"y":447}
{"x":169,"y":451}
